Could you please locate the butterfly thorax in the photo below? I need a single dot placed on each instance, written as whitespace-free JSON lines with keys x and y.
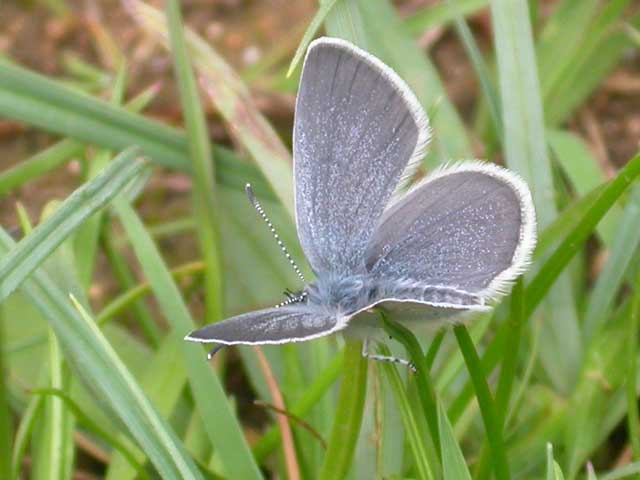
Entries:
{"x":343,"y":294}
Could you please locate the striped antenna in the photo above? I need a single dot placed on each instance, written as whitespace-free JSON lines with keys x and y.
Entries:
{"x":256,"y":204}
{"x":292,"y":299}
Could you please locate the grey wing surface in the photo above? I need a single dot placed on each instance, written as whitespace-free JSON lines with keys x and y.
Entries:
{"x":427,"y":315}
{"x":295,"y":323}
{"x":415,"y":304}
{"x":357,"y":130}
{"x":470,"y":228}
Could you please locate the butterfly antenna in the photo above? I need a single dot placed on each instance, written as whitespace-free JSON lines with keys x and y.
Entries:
{"x":256,"y":204}
{"x":293,"y":299}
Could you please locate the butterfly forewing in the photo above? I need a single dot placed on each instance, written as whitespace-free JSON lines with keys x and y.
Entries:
{"x":293,"y":323}
{"x":357,"y":127}
{"x":471,"y":228}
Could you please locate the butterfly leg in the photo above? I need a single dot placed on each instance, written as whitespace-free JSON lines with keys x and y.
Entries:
{"x":384,"y":358}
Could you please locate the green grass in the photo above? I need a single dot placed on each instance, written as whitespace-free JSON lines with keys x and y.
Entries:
{"x":533,"y":390}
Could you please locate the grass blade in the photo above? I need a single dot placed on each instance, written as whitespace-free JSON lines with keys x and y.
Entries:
{"x":584,"y":173}
{"x":415,"y":437}
{"x":5,"y":416}
{"x":140,"y":310}
{"x":34,"y":248}
{"x":525,"y":150}
{"x":589,"y":42}
{"x":441,"y":14}
{"x":561,"y":256}
{"x":27,"y":422}
{"x":205,"y":200}
{"x":628,"y":471}
{"x":348,"y":414}
{"x":454,"y":466}
{"x":633,"y":416}
{"x":626,"y":241}
{"x":45,"y":161}
{"x":59,"y":153}
{"x":510,"y":361}
{"x":86,"y":237}
{"x":318,"y":18}
{"x":54,"y":457}
{"x":94,"y":361}
{"x":492,"y":423}
{"x":47,"y":105}
{"x":91,"y":425}
{"x":310,"y":397}
{"x":222,"y":427}
{"x":605,"y":198}
{"x":163,"y":381}
{"x":233,"y":100}
{"x":479,"y":65}
{"x":345,"y":21}
{"x":425,"y":389}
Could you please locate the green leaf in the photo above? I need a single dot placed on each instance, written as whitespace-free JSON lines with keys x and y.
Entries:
{"x":348,"y":414}
{"x":96,"y":363}
{"x":575,"y":238}
{"x":414,"y":434}
{"x":163,"y":381}
{"x":580,"y":46}
{"x":46,"y":104}
{"x":584,"y":173}
{"x":515,"y":325}
{"x":70,"y":404}
{"x":59,"y":153}
{"x":309,"y":398}
{"x":232,"y":98}
{"x":550,"y":463}
{"x":454,"y":466}
{"x":54,"y":452}
{"x":222,"y":427}
{"x":426,"y":393}
{"x":124,"y":275}
{"x":479,"y":65}
{"x":441,"y":14}
{"x":36,"y":166}
{"x":25,"y":257}
{"x":628,"y":471}
{"x":491,"y":420}
{"x":626,"y":241}
{"x":27,"y":423}
{"x":205,"y":199}
{"x":316,"y":23}
{"x":633,"y":416}
{"x":6,"y":430}
{"x":87,"y":236}
{"x":525,"y":150}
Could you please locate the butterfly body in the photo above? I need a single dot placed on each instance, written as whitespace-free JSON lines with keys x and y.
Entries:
{"x":450,"y":245}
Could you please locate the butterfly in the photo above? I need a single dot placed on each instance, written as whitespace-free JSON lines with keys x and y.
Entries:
{"x":451,"y":244}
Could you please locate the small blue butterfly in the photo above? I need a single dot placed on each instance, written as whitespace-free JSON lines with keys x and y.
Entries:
{"x":449,"y":245}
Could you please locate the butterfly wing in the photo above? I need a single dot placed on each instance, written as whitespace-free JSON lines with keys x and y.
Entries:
{"x":358,"y":129}
{"x":470,"y":228}
{"x":295,"y":323}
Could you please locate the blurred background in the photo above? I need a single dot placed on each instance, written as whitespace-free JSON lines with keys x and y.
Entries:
{"x":569,"y":376}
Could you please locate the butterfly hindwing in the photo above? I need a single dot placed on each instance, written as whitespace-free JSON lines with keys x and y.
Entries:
{"x":292,"y":323}
{"x":471,"y":227}
{"x":357,"y":128}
